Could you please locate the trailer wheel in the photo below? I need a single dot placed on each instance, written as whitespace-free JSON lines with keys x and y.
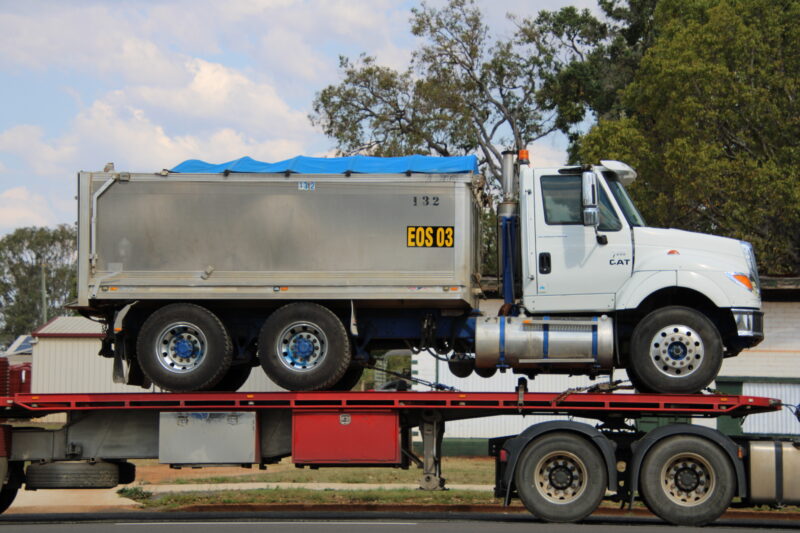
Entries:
{"x":184,"y":347}
{"x":233,"y":379}
{"x":674,"y":350}
{"x":687,"y":480}
{"x":304,"y":346}
{"x":561,"y":477}
{"x":72,"y":475}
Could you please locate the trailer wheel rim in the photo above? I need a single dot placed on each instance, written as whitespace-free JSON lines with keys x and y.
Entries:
{"x":688,"y":479}
{"x":181,"y":347}
{"x":677,"y":351}
{"x":560,"y":477}
{"x":302,"y":346}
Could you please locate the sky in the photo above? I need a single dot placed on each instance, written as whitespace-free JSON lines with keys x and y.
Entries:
{"x":147,"y":84}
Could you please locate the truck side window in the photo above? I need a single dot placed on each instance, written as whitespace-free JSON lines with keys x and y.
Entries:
{"x":562,"y":203}
{"x":562,"y":199}
{"x":609,"y":221}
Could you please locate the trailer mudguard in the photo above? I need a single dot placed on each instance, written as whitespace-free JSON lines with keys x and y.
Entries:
{"x":643,"y":445}
{"x":515,"y":445}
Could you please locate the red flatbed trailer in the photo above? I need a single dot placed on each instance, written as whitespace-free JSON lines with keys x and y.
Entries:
{"x":687,"y":474}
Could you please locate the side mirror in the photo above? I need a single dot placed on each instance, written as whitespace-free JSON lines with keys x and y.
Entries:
{"x":591,"y":213}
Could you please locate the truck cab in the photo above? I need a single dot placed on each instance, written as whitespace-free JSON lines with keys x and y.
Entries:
{"x":684,"y":299}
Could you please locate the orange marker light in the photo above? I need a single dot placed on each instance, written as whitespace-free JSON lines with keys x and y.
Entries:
{"x":283,"y":289}
{"x":673,"y":252}
{"x":744,"y":280}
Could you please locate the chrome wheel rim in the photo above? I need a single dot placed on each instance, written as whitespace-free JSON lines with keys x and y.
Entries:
{"x":560,"y":477}
{"x":688,"y":479}
{"x":677,"y":351}
{"x":302,"y":346}
{"x":181,"y":347}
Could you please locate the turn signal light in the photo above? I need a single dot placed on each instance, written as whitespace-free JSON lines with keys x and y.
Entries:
{"x":744,"y":280}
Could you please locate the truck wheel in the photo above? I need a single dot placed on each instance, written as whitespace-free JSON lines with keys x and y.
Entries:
{"x":350,"y":379}
{"x":184,"y":347}
{"x":687,"y":480}
{"x":233,"y":379}
{"x":561,"y":477}
{"x":674,"y":350}
{"x":304,"y":346}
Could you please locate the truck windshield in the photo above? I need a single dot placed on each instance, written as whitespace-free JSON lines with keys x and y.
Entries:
{"x":625,"y":203}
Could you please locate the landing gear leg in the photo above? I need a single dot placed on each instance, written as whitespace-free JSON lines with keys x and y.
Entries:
{"x":432,"y":432}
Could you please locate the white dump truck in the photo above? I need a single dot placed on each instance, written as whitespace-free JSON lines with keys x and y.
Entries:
{"x":312,"y":266}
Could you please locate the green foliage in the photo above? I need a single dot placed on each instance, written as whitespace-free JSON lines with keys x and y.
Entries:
{"x":714,"y":124}
{"x":590,"y":61}
{"x":135,"y":493}
{"x":24,"y":255}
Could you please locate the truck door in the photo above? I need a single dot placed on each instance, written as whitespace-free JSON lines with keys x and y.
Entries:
{"x":573,"y":270}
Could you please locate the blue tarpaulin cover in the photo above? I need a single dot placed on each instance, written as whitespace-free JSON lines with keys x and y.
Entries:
{"x":360,"y":164}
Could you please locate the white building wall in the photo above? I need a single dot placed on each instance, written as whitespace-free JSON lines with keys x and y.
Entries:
{"x":779,"y":354}
{"x":426,"y":367}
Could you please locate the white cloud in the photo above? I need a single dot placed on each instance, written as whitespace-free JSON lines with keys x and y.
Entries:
{"x":20,"y":207}
{"x":550,"y":151}
{"x":218,"y":96}
{"x":27,"y":142}
{"x":92,"y":39}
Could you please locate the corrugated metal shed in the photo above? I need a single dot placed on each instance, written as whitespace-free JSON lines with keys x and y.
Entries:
{"x":779,"y":423}
{"x":426,"y":367}
{"x":70,"y":326}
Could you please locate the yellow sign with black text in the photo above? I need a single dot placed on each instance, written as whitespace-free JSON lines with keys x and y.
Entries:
{"x":429,"y":236}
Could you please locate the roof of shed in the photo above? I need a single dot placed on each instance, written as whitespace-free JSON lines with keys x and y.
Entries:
{"x":70,"y":327}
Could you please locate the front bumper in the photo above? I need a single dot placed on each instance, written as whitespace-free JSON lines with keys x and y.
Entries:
{"x":749,"y":327}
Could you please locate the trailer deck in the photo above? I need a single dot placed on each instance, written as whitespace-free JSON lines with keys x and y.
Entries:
{"x":584,"y":404}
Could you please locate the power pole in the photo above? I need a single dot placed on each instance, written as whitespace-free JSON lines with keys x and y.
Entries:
{"x":44,"y":295}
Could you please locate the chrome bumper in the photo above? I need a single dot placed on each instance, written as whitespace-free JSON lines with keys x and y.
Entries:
{"x":749,"y":323}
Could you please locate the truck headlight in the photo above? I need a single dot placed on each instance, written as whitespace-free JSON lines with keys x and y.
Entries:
{"x":750,"y":257}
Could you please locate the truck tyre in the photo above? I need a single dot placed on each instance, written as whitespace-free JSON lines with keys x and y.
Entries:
{"x":184,"y":347}
{"x":72,"y":475}
{"x":561,"y":477}
{"x":304,"y":347}
{"x":233,"y":379}
{"x":674,"y":350}
{"x":350,"y":379}
{"x":687,"y":480}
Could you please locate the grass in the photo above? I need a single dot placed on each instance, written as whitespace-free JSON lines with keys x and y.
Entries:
{"x":309,"y":497}
{"x":456,"y":470}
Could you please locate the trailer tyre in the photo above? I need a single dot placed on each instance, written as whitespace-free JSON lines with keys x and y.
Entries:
{"x":687,"y":481}
{"x":304,"y":347}
{"x":674,"y":350}
{"x":72,"y":475}
{"x":184,"y":347}
{"x":561,"y":477}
